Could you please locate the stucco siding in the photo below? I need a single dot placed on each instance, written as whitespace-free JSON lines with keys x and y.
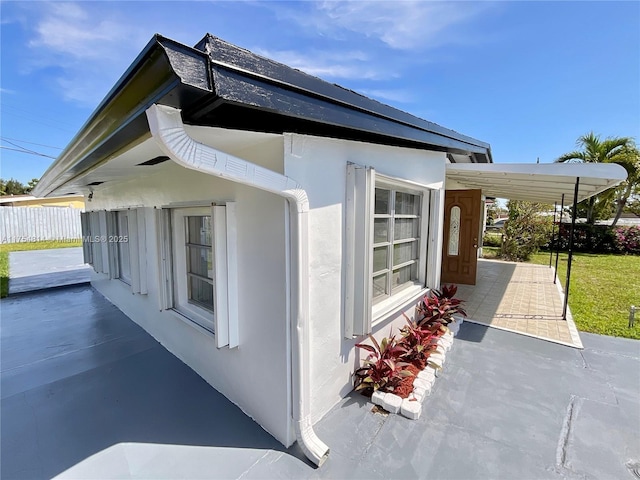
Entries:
{"x":320,"y":165}
{"x":255,"y":375}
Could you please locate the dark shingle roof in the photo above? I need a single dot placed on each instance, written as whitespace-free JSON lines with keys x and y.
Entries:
{"x":219,"y":84}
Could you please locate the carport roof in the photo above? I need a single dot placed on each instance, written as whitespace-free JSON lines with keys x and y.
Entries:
{"x":536,"y":182}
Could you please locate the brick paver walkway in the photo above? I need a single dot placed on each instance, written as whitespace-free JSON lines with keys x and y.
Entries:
{"x":519,"y":297}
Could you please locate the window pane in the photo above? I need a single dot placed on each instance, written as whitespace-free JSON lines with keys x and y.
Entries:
{"x":406,"y":204}
{"x":405,"y":228}
{"x":199,"y":230}
{"x":380,"y":230}
{"x":454,"y":231}
{"x":403,"y":252}
{"x":382,"y":201}
{"x":380,"y":285}
{"x":201,"y":292}
{"x":404,"y":275}
{"x":380,"y":256}
{"x":200,"y":261}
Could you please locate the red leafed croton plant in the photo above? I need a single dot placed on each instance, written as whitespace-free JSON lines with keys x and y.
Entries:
{"x":391,"y":363}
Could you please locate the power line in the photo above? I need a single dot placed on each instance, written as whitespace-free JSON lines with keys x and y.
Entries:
{"x":27,"y":151}
{"x":40,"y":114}
{"x":30,"y":143}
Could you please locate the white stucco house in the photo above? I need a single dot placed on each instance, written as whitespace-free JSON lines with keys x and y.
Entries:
{"x":258,"y":221}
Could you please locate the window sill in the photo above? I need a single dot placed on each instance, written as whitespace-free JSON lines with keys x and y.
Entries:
{"x":193,"y":324}
{"x":382,"y":310}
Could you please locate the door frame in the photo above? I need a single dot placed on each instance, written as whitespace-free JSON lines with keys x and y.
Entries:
{"x":468,"y":243}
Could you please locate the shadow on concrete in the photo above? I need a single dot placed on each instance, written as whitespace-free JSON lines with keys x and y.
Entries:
{"x":472,"y":332}
{"x":481,"y":300}
{"x":45,"y":281}
{"x":79,"y":377}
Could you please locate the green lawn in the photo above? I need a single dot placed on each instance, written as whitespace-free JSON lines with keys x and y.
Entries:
{"x":4,"y":274}
{"x":5,"y":248}
{"x":602,"y":289}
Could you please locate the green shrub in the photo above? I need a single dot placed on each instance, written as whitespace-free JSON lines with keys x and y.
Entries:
{"x":492,"y":239}
{"x":526,"y":230}
{"x":627,"y":239}
{"x":598,"y":239}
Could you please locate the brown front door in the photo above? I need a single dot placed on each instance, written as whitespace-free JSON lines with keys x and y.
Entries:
{"x":462,"y":213}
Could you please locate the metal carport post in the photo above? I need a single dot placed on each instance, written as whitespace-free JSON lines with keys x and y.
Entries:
{"x":559,"y":238}
{"x":570,"y":259}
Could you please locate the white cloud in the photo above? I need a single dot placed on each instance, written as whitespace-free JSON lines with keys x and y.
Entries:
{"x":328,"y":64}
{"x":403,"y":25}
{"x":392,"y":95}
{"x":88,"y":48}
{"x":70,"y":30}
{"x":6,"y":91}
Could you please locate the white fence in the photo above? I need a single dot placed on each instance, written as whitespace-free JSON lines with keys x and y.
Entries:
{"x":35,"y":224}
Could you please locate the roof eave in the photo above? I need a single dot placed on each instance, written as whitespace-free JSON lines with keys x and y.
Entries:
{"x":170,"y":73}
{"x":165,"y":71}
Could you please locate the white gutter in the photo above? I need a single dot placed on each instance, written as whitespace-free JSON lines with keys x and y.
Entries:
{"x":165,"y":124}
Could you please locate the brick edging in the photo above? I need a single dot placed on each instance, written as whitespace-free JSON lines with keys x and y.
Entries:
{"x":411,"y":407}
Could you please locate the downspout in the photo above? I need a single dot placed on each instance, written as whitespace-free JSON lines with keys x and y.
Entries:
{"x":165,"y":124}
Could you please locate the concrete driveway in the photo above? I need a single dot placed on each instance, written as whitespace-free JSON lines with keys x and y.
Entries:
{"x":88,"y":394}
{"x":32,"y":270}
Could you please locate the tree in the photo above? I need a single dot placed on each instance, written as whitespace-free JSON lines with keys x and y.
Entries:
{"x":526,"y":229}
{"x":594,"y":150}
{"x":31,"y":185}
{"x":633,"y":205}
{"x":630,"y":188}
{"x":12,"y":187}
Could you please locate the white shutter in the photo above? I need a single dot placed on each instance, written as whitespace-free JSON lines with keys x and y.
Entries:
{"x":221,"y":313}
{"x":141,"y":255}
{"x":232,"y":275}
{"x":103,"y":241}
{"x":134,"y":251}
{"x":359,"y":249}
{"x":96,"y":249}
{"x":165,"y":266}
{"x":85,"y":222}
{"x":225,"y":276}
{"x":111,"y":220}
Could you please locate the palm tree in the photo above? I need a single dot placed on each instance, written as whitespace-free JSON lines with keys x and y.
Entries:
{"x":595,"y":150}
{"x":630,"y":160}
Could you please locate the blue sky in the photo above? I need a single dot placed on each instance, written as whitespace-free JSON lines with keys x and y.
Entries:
{"x":527,"y":77}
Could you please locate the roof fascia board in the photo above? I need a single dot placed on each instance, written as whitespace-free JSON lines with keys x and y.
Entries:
{"x":159,"y":69}
{"x":231,"y":57}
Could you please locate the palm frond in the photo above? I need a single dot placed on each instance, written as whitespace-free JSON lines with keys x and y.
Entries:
{"x":571,"y":157}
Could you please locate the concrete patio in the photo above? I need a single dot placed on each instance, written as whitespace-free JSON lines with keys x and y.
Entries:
{"x":521,"y":298}
{"x":88,"y":394}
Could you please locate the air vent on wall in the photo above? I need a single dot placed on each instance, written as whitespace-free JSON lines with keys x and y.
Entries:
{"x":153,"y":161}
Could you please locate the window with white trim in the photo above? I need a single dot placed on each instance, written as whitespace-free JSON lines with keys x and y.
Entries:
{"x":387,"y":226}
{"x":395,"y":241}
{"x":193,"y":272}
{"x":198,"y":246}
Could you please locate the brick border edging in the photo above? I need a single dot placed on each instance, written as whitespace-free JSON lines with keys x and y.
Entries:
{"x":411,"y":407}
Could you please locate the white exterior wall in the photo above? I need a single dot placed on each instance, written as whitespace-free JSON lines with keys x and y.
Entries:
{"x":255,"y":375}
{"x":320,"y":165}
